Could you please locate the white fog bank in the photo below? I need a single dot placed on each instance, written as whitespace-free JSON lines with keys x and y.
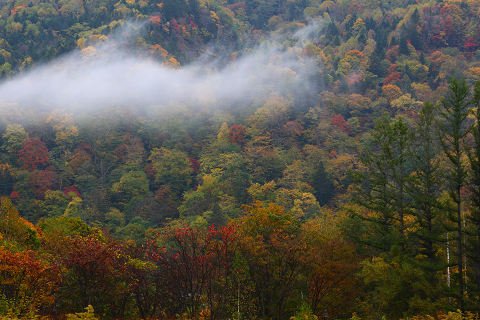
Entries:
{"x":113,"y":76}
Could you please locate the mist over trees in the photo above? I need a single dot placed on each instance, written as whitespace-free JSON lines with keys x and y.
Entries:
{"x":189,"y":159}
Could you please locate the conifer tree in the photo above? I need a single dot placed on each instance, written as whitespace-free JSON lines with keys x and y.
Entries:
{"x":474,"y":161}
{"x":383,"y":183}
{"x":453,"y":129}
{"x":424,"y":189}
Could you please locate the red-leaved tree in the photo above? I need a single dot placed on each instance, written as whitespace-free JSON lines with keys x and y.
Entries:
{"x":33,"y":154}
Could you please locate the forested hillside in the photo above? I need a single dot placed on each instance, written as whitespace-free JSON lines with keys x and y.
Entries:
{"x":341,"y":182}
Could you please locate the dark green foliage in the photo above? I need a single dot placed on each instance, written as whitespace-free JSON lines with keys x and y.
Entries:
{"x":454,"y":129}
{"x":473,"y":246}
{"x":323,"y":185}
{"x":384,"y":184}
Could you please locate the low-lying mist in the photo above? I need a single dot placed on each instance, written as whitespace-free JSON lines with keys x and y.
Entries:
{"x":113,"y":76}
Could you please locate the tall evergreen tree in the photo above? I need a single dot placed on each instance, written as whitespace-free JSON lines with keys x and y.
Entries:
{"x":453,"y":129}
{"x":424,"y":190}
{"x":474,"y":161}
{"x":425,"y":187}
{"x":383,"y":183}
{"x":323,"y":185}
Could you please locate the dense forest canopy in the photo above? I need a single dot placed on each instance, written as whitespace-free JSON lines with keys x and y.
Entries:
{"x":225,"y":159}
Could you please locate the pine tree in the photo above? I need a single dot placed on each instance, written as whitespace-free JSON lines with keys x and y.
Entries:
{"x":474,"y":161}
{"x":424,"y":189}
{"x":323,"y":185}
{"x":453,"y":129}
{"x":383,"y":183}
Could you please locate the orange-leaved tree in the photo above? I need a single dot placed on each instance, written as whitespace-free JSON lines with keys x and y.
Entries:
{"x":27,"y":283}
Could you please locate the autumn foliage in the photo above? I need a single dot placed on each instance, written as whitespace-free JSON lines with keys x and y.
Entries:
{"x":354,"y":196}
{"x":33,"y":154}
{"x":26,"y":282}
